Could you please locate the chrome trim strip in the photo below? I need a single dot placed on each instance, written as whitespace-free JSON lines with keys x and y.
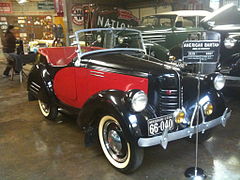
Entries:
{"x":179,"y":89}
{"x":35,"y":88}
{"x":97,"y":75}
{"x":111,"y":50}
{"x":96,"y":72}
{"x":35,"y":84}
{"x":232,"y":78}
{"x":152,"y":141}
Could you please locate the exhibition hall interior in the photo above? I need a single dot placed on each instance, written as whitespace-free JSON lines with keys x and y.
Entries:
{"x":119,"y":89}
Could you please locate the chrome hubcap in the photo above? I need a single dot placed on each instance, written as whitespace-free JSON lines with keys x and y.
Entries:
{"x":114,"y":141}
{"x":44,"y":107}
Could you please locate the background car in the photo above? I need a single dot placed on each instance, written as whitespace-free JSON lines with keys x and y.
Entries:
{"x":123,"y":97}
{"x":164,"y":33}
{"x":226,"y":21}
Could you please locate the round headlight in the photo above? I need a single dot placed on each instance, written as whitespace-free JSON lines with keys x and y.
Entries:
{"x":99,"y":38}
{"x":139,"y":101}
{"x":208,"y":109}
{"x":219,"y":82}
{"x":120,"y":39}
{"x":229,"y":42}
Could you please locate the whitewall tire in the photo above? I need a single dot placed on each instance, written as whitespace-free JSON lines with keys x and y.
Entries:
{"x":122,"y":154}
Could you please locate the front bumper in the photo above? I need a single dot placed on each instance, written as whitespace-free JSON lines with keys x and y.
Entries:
{"x":167,"y":137}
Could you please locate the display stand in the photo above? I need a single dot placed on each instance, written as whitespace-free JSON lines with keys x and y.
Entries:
{"x":199,"y":52}
{"x":196,"y":172}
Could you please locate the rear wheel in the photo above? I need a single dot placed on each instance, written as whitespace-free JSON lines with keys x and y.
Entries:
{"x":121,"y":153}
{"x":48,"y":111}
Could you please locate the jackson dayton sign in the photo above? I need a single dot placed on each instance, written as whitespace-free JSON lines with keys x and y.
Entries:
{"x":117,"y":18}
{"x":203,"y":51}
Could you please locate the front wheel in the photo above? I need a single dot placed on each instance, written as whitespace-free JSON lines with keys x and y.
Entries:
{"x":122,"y":154}
{"x":48,"y":111}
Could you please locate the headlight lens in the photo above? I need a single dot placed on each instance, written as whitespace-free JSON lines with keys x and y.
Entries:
{"x":139,"y":101}
{"x":219,"y":82}
{"x":179,"y":116}
{"x":99,"y":38}
{"x":120,"y":39}
{"x":208,"y":109}
{"x":229,"y":42}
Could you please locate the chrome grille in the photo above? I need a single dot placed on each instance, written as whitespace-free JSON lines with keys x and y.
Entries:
{"x":153,"y":36}
{"x":168,"y":101}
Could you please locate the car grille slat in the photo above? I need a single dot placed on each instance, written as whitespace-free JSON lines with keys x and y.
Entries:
{"x":168,"y":101}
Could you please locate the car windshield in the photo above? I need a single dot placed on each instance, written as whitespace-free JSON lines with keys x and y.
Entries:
{"x":108,"y":39}
{"x":164,"y":21}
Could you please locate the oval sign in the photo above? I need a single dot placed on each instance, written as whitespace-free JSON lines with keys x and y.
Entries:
{"x":77,"y":15}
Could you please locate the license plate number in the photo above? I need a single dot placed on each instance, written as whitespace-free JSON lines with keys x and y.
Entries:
{"x":158,"y":125}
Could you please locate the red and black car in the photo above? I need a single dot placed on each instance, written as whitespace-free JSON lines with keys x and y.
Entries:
{"x":123,"y":97}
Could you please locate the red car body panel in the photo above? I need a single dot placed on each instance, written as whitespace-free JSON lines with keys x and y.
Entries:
{"x":59,"y":56}
{"x":70,"y":84}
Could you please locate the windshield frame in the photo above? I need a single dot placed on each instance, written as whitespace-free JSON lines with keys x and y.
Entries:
{"x":159,"y":16}
{"x":80,"y":53}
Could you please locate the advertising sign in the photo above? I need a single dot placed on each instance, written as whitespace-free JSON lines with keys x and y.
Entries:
{"x":77,"y":15}
{"x":202,"y":51}
{"x":58,"y":4}
{"x":117,"y":18}
{"x":45,"y":5}
{"x":5,"y":8}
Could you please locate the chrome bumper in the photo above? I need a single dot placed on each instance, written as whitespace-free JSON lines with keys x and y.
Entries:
{"x":167,"y":137}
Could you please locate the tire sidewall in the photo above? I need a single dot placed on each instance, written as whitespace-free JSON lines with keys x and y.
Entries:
{"x":116,"y":164}
{"x":53,"y":111}
{"x":135,"y":153}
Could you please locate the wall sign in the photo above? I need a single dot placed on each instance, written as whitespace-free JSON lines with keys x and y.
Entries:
{"x":204,"y":51}
{"x":45,"y":5}
{"x":5,"y":8}
{"x":58,"y":4}
{"x":77,"y":15}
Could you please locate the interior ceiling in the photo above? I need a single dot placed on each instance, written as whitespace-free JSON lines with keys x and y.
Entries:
{"x":131,"y":3}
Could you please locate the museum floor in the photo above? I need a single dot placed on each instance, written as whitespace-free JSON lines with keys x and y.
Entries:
{"x":33,"y":148}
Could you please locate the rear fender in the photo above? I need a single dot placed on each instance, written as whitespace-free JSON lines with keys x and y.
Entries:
{"x":40,"y":84}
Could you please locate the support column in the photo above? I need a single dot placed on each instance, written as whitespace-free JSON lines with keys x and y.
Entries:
{"x":67,"y":19}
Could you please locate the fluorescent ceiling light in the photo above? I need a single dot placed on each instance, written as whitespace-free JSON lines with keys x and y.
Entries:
{"x":22,"y":1}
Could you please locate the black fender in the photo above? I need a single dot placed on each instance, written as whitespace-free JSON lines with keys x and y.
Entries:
{"x":213,"y":96}
{"x":40,"y":84}
{"x":113,"y":102}
{"x":207,"y":91}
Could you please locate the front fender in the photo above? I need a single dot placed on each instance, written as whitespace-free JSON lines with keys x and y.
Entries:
{"x":213,"y":96}
{"x":112,"y":102}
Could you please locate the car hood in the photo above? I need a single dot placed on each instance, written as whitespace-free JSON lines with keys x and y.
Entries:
{"x":129,"y":63}
{"x":226,"y":15}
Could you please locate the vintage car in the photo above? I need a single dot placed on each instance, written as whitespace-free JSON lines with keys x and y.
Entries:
{"x":123,"y":97}
{"x":164,"y":33}
{"x":226,"y":21}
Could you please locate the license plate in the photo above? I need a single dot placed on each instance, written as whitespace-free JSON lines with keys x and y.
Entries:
{"x":158,"y":125}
